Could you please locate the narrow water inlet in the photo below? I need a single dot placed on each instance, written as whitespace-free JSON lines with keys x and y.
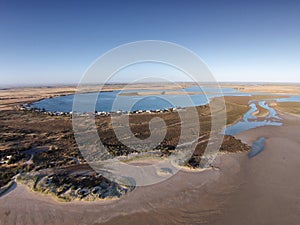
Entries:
{"x":257,"y":147}
{"x":250,"y":121}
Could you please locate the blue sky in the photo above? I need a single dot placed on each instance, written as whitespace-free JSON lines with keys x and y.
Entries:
{"x":54,"y":42}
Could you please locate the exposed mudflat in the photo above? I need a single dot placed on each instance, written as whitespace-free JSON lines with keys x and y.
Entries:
{"x":261,"y":190}
{"x":237,"y":190}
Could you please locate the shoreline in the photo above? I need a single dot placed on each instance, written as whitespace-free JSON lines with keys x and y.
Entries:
{"x":238,"y":186}
{"x":232,"y":187}
{"x":185,"y":168}
{"x":24,"y":95}
{"x":28,"y":95}
{"x":150,"y":160}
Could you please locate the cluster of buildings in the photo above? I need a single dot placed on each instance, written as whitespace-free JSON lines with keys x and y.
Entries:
{"x":5,"y":160}
{"x":27,"y":107}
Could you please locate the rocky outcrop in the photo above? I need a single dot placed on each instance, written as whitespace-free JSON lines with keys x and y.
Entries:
{"x":69,"y":184}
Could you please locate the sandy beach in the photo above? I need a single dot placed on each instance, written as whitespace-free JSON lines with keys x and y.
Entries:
{"x":261,"y":190}
{"x":149,"y":113}
{"x":238,"y":190}
{"x":269,"y":188}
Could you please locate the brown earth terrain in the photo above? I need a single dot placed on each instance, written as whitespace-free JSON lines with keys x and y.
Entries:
{"x":40,"y":147}
{"x":289,"y":107}
{"x":42,"y":150}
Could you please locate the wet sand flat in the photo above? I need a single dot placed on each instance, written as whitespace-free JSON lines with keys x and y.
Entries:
{"x":261,"y":190}
{"x":186,"y":197}
{"x":270,"y":189}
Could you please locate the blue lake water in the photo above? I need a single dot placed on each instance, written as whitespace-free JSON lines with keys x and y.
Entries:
{"x":295,"y":98}
{"x":106,"y":101}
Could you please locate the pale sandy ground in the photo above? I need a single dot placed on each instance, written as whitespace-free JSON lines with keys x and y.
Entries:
{"x":149,"y":93}
{"x":269,"y":191}
{"x":261,"y":190}
{"x":169,"y":202}
{"x":12,"y":97}
{"x":289,"y":89}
